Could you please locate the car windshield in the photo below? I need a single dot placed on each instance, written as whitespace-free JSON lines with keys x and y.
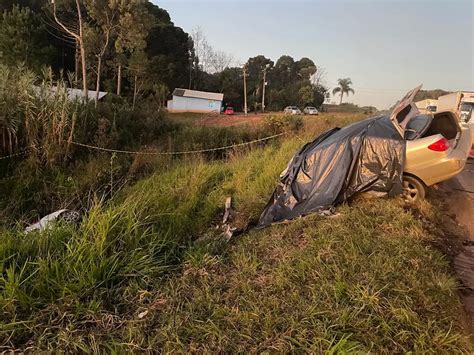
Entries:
{"x":310,"y":108}
{"x":417,"y":126}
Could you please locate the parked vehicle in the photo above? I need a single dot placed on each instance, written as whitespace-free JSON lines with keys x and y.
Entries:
{"x":292,"y":110}
{"x":427,"y":105}
{"x":310,"y":110}
{"x":437,"y":147}
{"x":462,"y":103}
{"x":431,"y":108}
{"x":229,"y":110}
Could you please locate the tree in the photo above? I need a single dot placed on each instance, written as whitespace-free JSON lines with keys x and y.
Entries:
{"x":104,"y":13}
{"x":170,"y":50}
{"x":220,"y":60}
{"x":306,"y":68}
{"x":231,"y":84}
{"x":289,"y":79}
{"x":23,"y":40}
{"x":343,"y":88}
{"x":76,"y":32}
{"x":255,"y":67}
{"x":133,"y":27}
{"x":202,"y":49}
{"x":137,"y":68}
{"x":430,"y":94}
{"x":306,"y":95}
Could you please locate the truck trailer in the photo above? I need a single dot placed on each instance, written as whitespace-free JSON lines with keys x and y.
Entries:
{"x":462,"y":103}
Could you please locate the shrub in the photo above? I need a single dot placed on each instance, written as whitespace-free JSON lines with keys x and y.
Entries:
{"x":283,"y":123}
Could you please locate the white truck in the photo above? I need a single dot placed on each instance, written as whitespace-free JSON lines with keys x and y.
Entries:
{"x":427,"y":105}
{"x":462,"y":103}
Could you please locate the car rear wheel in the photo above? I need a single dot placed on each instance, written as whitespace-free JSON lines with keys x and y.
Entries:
{"x":413,"y":189}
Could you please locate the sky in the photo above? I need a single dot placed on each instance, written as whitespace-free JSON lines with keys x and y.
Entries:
{"x":385,"y":46}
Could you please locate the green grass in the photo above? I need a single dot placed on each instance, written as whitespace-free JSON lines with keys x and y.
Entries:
{"x":148,"y":270}
{"x":366,"y":280}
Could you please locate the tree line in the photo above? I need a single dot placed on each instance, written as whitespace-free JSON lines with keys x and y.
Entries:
{"x":133,"y":49}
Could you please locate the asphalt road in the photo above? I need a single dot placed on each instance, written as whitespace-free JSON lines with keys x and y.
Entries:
{"x":461,"y":196}
{"x":461,"y":200}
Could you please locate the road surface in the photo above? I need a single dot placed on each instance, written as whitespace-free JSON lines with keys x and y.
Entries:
{"x":461,"y":195}
{"x":460,"y":192}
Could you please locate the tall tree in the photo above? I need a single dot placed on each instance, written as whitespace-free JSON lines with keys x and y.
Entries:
{"x":76,"y":31}
{"x":255,"y":68}
{"x":306,"y":95}
{"x":23,"y":39}
{"x":104,"y":14}
{"x":170,"y":50}
{"x":344,"y":88}
{"x":137,"y":69}
{"x":134,"y":25}
{"x":220,"y":60}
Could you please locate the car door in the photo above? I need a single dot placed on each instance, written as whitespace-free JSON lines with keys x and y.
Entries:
{"x":404,"y":111}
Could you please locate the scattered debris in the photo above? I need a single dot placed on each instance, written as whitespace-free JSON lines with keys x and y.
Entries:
{"x":330,"y":213}
{"x":142,"y":314}
{"x":67,"y":216}
{"x":228,"y":230}
{"x":228,"y":207}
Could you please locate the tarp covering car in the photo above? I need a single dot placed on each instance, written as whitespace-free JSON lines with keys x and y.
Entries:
{"x":367,"y":156}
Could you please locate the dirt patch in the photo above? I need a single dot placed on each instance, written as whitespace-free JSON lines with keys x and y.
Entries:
{"x":457,"y":198}
{"x":231,"y":120}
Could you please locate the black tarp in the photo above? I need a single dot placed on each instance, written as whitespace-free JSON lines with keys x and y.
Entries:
{"x":367,"y":156}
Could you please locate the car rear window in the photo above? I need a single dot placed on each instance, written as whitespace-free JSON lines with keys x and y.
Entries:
{"x":417,"y":126}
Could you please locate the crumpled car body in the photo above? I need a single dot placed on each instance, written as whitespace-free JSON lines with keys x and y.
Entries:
{"x":366,"y":156}
{"x":400,"y":152}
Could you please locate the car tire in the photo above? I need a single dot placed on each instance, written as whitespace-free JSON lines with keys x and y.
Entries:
{"x":413,"y":189}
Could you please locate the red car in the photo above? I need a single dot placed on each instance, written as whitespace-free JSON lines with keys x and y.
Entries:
{"x":229,"y":111}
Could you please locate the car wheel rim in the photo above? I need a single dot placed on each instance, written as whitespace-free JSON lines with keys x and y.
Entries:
{"x":410,"y":192}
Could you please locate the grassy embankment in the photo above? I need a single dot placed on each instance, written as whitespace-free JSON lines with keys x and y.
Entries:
{"x":132,"y":276}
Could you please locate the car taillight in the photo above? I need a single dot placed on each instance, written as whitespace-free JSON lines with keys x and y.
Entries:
{"x":439,"y":146}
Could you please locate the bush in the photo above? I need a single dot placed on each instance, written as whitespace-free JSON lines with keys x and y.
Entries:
{"x":283,"y":123}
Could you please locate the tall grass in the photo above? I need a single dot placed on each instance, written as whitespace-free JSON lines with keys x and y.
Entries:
{"x":128,"y":245}
{"x":37,"y":114}
{"x":133,"y":277}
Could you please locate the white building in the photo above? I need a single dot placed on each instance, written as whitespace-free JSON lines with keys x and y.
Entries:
{"x":185,"y":100}
{"x":72,"y":94}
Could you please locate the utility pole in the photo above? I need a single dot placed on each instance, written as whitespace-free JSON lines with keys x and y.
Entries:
{"x":264,"y":84}
{"x":190,"y":71}
{"x":245,"y":88}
